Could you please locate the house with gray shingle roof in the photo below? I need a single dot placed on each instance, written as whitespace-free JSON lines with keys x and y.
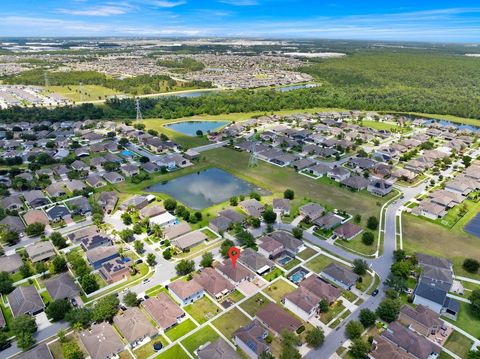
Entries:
{"x":62,"y":287}
{"x":25,"y":300}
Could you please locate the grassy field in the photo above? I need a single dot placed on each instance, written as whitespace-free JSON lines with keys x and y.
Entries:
{"x":173,"y":352}
{"x":377,"y":125}
{"x":307,"y":253}
{"x":275,"y":273}
{"x":253,"y":304}
{"x":202,"y":310}
{"x":422,"y":236}
{"x":466,"y":320}
{"x":229,"y":322}
{"x":91,"y":92}
{"x":319,"y":262}
{"x":458,"y":344}
{"x":204,"y":335}
{"x":278,"y":289}
{"x":333,"y":311}
{"x":147,"y":350}
{"x":180,"y":330}
{"x":235,"y":296}
{"x":356,"y":244}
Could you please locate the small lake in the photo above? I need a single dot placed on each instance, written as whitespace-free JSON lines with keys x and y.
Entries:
{"x":190,"y":128}
{"x":193,"y":94}
{"x":204,"y":189}
{"x":473,"y":227}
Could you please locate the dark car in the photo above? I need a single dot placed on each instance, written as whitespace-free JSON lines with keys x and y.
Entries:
{"x":157,"y":346}
{"x":375,"y":292}
{"x":5,"y":346}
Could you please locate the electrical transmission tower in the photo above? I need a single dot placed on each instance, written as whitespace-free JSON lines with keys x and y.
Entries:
{"x":139,"y":111}
{"x":82,"y":92}
{"x":253,"y":161}
{"x":45,"y":77}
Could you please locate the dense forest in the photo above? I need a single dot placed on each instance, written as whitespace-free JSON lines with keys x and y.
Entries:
{"x":187,"y":64}
{"x":139,"y":85}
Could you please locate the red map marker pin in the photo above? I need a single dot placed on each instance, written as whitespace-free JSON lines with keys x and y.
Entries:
{"x":234,"y":253}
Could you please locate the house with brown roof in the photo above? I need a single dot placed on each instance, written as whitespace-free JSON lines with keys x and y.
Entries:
{"x":384,"y":349}
{"x":281,"y":206}
{"x":255,"y":261}
{"x":115,"y":269}
{"x":321,"y":288}
{"x":11,"y":263}
{"x":189,"y":240}
{"x":219,"y":349}
{"x":35,"y":216}
{"x":176,"y":230}
{"x":270,"y":247}
{"x":312,"y":211}
{"x":101,"y":341}
{"x":277,"y":319}
{"x":163,"y":310}
{"x":302,"y":302}
{"x":134,"y":326}
{"x":252,"y":207}
{"x":214,"y":283}
{"x":186,"y":292}
{"x":236,"y":274}
{"x":251,"y":339}
{"x":420,"y":319}
{"x":348,"y":231}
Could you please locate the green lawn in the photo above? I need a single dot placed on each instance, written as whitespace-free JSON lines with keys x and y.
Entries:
{"x":235,"y":296}
{"x":366,"y":281}
{"x":458,"y":344}
{"x":253,"y":304}
{"x":204,"y":335}
{"x":278,"y":289}
{"x":7,"y":314}
{"x":91,"y":92}
{"x":147,"y":350}
{"x":202,"y":310}
{"x":291,"y":264}
{"x":229,"y":322}
{"x":318,"y":263}
{"x":333,"y":311}
{"x":173,"y":352}
{"x":275,"y":273}
{"x":466,"y":320}
{"x":180,"y":330}
{"x":307,"y":253}
{"x":356,"y":244}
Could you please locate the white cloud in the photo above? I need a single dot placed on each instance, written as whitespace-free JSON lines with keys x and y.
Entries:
{"x":167,"y":4}
{"x":109,"y":9}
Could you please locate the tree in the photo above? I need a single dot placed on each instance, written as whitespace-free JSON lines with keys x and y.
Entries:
{"x":89,"y":283}
{"x":297,"y":232}
{"x":41,"y":268}
{"x":368,"y":238}
{"x":372,"y":223}
{"x":475,"y":303}
{"x":289,"y":346}
{"x":467,"y":161}
{"x":167,"y":253}
{"x":399,"y":255}
{"x":170,"y":204}
{"x":3,"y":339}
{"x":367,"y":317}
{"x":126,"y":235}
{"x":234,"y":201}
{"x":130,"y":299}
{"x":6,"y":283}
{"x":354,"y":329}
{"x":26,"y":271}
{"x":126,"y":218}
{"x":389,"y":309}
{"x":225,"y":247}
{"x":59,"y":264}
{"x":401,"y":269}
{"x":10,"y":237}
{"x":71,"y":350}
{"x":360,"y":266}
{"x":207,"y":260}
{"x":58,"y":309}
{"x":151,"y":259}
{"x":58,"y":241}
{"x":23,"y":328}
{"x":473,"y":354}
{"x":471,"y":265}
{"x":315,"y":337}
{"x":80,"y":317}
{"x":105,"y":308}
{"x":359,"y":349}
{"x":289,"y":194}
{"x":185,"y":267}
{"x":324,"y":306}
{"x":138,"y":245}
{"x":397,"y":283}
{"x":35,"y":229}
{"x":357,"y":218}
{"x":245,"y":238}
{"x":269,"y":216}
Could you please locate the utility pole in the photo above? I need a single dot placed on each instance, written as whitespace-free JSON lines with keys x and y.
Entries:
{"x":139,"y":111}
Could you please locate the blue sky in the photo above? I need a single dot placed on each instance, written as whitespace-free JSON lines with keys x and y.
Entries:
{"x":440,"y":21}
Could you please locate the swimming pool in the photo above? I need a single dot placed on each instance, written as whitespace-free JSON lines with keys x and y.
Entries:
{"x":298,"y":275}
{"x":126,"y":153}
{"x":284,"y":260}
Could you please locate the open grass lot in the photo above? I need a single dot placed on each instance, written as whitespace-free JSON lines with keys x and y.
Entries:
{"x":356,"y":244}
{"x":202,"y":310}
{"x":147,"y":350}
{"x":319,"y":262}
{"x":459,"y":344}
{"x":307,"y":253}
{"x":91,"y":92}
{"x":278,"y":289}
{"x":426,"y":237}
{"x":275,"y":273}
{"x":277,"y":179}
{"x":180,"y":330}
{"x":229,"y":322}
{"x":173,"y":352}
{"x":291,"y":264}
{"x":377,"y":125}
{"x":253,"y":304}
{"x":466,"y":320}
{"x":204,"y":335}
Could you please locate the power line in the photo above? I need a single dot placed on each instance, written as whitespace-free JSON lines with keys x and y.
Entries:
{"x":139,"y":111}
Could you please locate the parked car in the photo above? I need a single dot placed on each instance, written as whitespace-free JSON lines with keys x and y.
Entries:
{"x":375,"y":292}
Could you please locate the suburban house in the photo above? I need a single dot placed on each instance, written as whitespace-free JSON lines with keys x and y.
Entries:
{"x":219,"y":349}
{"x":251,"y":339}
{"x":108,"y":201}
{"x":270,"y":248}
{"x":277,"y":319}
{"x":11,"y":263}
{"x":25,"y":300}
{"x":35,"y":198}
{"x":338,"y":174}
{"x":40,"y":251}
{"x":189,"y":240}
{"x":328,"y":221}
{"x":176,"y":230}
{"x":311,"y":211}
{"x":348,"y":231}
{"x":356,"y":183}
{"x":57,"y":213}
{"x":134,"y":326}
{"x":115,"y":269}
{"x":302,"y":302}
{"x":420,"y":319}
{"x":80,"y":206}
{"x":62,"y":286}
{"x":214,"y":283}
{"x":14,"y":223}
{"x":380,"y":187}
{"x":95,"y":181}
{"x":292,"y":245}
{"x":99,"y":255}
{"x":12,"y":203}
{"x":255,"y":261}
{"x":220,"y":224}
{"x":137,"y":202}
{"x":236,"y":274}
{"x":252,"y":207}
{"x":384,"y":349}
{"x":281,"y":206}
{"x":113,"y":177}
{"x":163,"y":310}
{"x":321,"y":288}
{"x":39,"y":352}
{"x":341,"y":276}
{"x":186,"y":292}
{"x":101,"y":341}
{"x":152,"y":211}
